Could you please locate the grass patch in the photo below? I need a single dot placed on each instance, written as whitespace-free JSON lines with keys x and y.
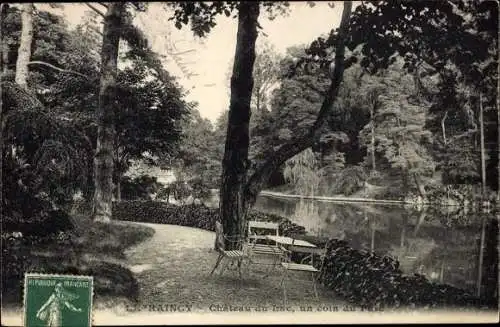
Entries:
{"x":111,"y":238}
{"x":90,"y":248}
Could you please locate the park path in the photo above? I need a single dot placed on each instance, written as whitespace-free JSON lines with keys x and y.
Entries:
{"x":173,"y":267}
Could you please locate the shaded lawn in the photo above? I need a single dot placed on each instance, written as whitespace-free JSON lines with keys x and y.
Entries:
{"x":91,"y":248}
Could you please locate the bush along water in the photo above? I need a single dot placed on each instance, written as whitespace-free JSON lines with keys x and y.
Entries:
{"x":361,"y":277}
{"x":374,"y":281}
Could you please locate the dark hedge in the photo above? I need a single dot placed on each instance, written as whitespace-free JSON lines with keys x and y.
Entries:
{"x":192,"y":215}
{"x":361,"y":277}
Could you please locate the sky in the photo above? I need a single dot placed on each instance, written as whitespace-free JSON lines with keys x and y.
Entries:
{"x":206,"y":61}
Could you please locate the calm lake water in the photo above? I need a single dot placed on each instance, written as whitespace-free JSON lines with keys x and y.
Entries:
{"x":444,"y":244}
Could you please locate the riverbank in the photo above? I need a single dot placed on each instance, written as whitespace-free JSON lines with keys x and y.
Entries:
{"x":333,"y":198}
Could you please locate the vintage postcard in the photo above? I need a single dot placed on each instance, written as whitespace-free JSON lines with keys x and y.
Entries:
{"x":227,"y":162}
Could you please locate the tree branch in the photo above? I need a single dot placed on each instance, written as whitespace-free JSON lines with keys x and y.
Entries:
{"x":95,"y":9}
{"x":261,"y":175}
{"x":443,"y":126}
{"x":136,"y":39}
{"x":43,"y":63}
{"x":93,"y":28}
{"x":464,"y":134}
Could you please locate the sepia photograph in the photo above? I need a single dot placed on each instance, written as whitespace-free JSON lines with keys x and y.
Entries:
{"x":249,"y":162}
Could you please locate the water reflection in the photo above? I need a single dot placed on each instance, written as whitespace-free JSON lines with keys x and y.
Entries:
{"x":444,"y":244}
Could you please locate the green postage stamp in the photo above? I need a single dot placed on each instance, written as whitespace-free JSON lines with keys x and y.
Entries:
{"x":57,"y":300}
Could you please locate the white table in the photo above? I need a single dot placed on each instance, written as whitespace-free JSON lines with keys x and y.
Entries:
{"x":288,"y":241}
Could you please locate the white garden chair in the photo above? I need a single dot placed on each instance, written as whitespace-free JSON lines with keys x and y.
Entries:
{"x":258,"y":243}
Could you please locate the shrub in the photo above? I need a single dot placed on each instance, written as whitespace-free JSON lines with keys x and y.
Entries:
{"x":180,"y":190}
{"x":376,"y":281}
{"x":28,"y":207}
{"x":199,"y":188}
{"x":390,"y":193}
{"x":350,"y":180}
{"x":48,"y":223}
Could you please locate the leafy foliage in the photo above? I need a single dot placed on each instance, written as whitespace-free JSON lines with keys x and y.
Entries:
{"x":201,"y":15}
{"x":148,"y":123}
{"x":200,"y":152}
{"x":303,"y":173}
{"x":446,"y":50}
{"x":44,"y":162}
{"x":399,"y":120}
{"x":139,"y":188}
{"x":350,"y":180}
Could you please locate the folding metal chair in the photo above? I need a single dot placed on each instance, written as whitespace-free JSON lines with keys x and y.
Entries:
{"x":303,"y":266}
{"x":231,"y":256}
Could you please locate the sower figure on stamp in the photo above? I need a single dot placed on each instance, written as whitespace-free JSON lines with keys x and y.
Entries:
{"x":51,"y":310}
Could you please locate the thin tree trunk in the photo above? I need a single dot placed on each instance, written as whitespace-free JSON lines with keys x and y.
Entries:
{"x":481,"y":256}
{"x":372,"y":114}
{"x":483,"y":160}
{"x":235,"y":162}
{"x":103,"y":160}
{"x":118,"y":187}
{"x":261,"y":175}
{"x":372,"y":243}
{"x":420,"y":221}
{"x":420,"y":187}
{"x":443,"y":126}
{"x":24,"y":52}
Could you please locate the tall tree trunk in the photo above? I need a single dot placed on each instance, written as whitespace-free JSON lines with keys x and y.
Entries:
{"x":497,"y":102}
{"x":235,"y":162}
{"x":103,"y":160}
{"x":261,"y":175}
{"x":24,"y":52}
{"x":3,"y":14}
{"x":4,"y":46}
{"x":498,"y":132}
